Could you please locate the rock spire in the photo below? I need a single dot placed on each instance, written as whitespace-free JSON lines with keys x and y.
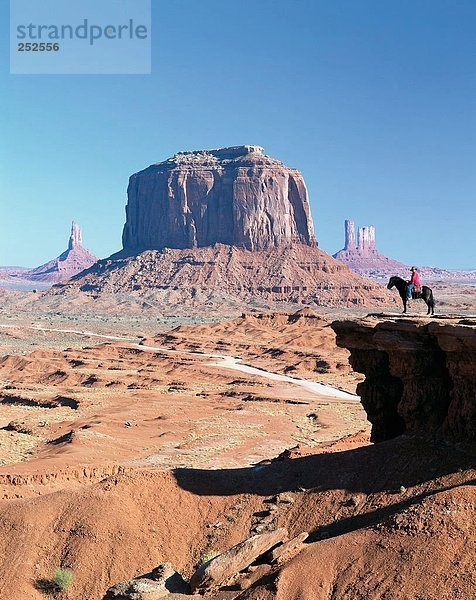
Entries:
{"x":76,"y":237}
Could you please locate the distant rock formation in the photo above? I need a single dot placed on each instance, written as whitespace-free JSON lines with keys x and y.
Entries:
{"x":366,"y":240}
{"x":76,"y":237}
{"x":420,"y":375}
{"x":364,"y":258}
{"x":236,"y":196}
{"x":224,"y":226}
{"x":71,"y":262}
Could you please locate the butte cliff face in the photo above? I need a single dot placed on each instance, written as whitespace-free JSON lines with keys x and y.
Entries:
{"x":235,"y":196}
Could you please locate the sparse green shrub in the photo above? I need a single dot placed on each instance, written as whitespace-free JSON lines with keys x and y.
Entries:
{"x":62,"y":579}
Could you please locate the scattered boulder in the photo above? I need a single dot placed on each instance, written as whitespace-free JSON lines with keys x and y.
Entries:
{"x":161,"y":582}
{"x":234,"y":560}
{"x":253,"y":575}
{"x":289,"y":549}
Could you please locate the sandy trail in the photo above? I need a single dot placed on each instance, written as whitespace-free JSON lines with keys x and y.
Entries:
{"x":235,"y":364}
{"x":225,"y":362}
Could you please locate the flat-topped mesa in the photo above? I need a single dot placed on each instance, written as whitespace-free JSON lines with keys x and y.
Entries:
{"x":236,"y":196}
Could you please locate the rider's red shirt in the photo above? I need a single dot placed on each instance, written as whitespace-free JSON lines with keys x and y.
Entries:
{"x":415,"y":279}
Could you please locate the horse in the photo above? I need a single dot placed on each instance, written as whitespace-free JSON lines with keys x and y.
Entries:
{"x":426,"y":293}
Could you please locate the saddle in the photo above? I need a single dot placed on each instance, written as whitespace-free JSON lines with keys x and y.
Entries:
{"x":416,"y":293}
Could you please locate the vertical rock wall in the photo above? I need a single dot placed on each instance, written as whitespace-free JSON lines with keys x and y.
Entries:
{"x":76,"y":237}
{"x":420,"y":376}
{"x":235,"y":196}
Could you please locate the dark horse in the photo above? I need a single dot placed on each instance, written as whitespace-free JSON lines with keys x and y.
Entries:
{"x":426,"y":293}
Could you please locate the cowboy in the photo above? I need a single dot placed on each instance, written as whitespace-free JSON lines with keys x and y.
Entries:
{"x":414,"y":283}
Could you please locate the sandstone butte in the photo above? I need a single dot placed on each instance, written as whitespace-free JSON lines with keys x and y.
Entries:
{"x":234,"y":223}
{"x":360,"y":254}
{"x":73,"y":260}
{"x":236,"y":196}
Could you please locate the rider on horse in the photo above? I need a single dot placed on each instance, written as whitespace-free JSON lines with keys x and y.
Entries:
{"x":414,"y":284}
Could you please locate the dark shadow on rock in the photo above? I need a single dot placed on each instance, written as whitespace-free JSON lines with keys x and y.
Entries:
{"x":385,"y":467}
{"x":374,"y":517}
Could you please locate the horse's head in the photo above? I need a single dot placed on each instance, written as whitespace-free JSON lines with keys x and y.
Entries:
{"x":391,"y":283}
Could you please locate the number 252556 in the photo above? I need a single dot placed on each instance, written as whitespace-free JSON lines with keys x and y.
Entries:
{"x":37,"y":47}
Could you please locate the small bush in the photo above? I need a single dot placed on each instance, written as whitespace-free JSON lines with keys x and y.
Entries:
{"x":62,"y":579}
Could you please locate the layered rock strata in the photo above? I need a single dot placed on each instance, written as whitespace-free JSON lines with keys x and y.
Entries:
{"x":237,"y":196}
{"x":224,"y":274}
{"x":420,"y":376}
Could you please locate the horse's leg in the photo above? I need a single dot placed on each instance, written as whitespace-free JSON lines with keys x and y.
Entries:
{"x":430,"y":301}
{"x":404,"y":300}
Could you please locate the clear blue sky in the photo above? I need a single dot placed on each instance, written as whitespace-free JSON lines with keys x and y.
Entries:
{"x":373,"y":100}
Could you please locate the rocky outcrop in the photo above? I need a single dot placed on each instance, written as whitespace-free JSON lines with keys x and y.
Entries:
{"x":364,"y":258}
{"x":238,"y":568}
{"x":76,"y":238}
{"x":224,"y":226}
{"x":236,"y":196}
{"x":236,"y":559}
{"x":223,"y":274}
{"x":420,"y":376}
{"x":161,"y":582}
{"x":73,"y":260}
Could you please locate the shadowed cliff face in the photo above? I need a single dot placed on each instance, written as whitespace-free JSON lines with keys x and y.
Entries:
{"x":419,"y":375}
{"x":235,"y":196}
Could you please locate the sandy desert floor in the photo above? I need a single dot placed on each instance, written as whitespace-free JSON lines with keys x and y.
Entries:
{"x":127,"y":439}
{"x":119,"y":403}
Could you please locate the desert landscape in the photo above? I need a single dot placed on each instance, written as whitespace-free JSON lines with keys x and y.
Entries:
{"x":119,"y":455}
{"x":222,"y":410}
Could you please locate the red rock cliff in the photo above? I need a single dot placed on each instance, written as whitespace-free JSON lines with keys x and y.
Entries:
{"x":236,"y":196}
{"x":420,"y":376}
